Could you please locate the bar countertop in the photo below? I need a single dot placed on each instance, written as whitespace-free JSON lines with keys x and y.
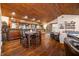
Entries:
{"x":72,"y":42}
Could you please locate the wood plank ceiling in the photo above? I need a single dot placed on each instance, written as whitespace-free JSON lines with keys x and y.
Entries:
{"x":44,"y":12}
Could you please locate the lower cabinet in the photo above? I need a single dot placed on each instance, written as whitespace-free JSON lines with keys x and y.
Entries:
{"x":13,"y":34}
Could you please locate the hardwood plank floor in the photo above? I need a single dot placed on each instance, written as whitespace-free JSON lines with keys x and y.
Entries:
{"x":48,"y":47}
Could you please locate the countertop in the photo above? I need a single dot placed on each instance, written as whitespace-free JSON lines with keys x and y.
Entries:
{"x":73,"y":42}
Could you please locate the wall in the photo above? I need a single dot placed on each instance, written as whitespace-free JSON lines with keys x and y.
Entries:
{"x":61,"y":20}
{"x":52,"y":26}
{"x":49,"y":28}
{"x":69,"y":18}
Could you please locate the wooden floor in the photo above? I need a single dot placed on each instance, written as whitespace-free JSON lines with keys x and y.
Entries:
{"x":48,"y":47}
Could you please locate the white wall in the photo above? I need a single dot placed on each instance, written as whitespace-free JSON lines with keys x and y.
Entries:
{"x":69,"y":18}
{"x":54,"y":27}
{"x":61,"y":20}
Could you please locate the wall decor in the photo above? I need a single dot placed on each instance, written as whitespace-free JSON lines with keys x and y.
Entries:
{"x":61,"y":26}
{"x":70,"y":25}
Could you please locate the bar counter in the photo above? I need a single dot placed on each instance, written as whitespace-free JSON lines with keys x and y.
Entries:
{"x":72,"y":45}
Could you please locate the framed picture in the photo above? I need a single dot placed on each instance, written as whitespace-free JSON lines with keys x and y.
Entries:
{"x":70,"y":25}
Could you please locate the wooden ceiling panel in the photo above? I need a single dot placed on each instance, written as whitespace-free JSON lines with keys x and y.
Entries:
{"x":69,"y":8}
{"x":44,"y":12}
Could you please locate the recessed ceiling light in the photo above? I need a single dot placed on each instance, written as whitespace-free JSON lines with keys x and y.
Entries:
{"x":25,"y":17}
{"x":38,"y":20}
{"x":13,"y":13}
{"x":33,"y":19}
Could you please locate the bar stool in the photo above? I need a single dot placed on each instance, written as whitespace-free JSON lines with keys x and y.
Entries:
{"x":24,"y":39}
{"x":34,"y":39}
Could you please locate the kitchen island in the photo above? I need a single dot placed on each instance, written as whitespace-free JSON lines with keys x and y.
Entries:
{"x":29,"y":39}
